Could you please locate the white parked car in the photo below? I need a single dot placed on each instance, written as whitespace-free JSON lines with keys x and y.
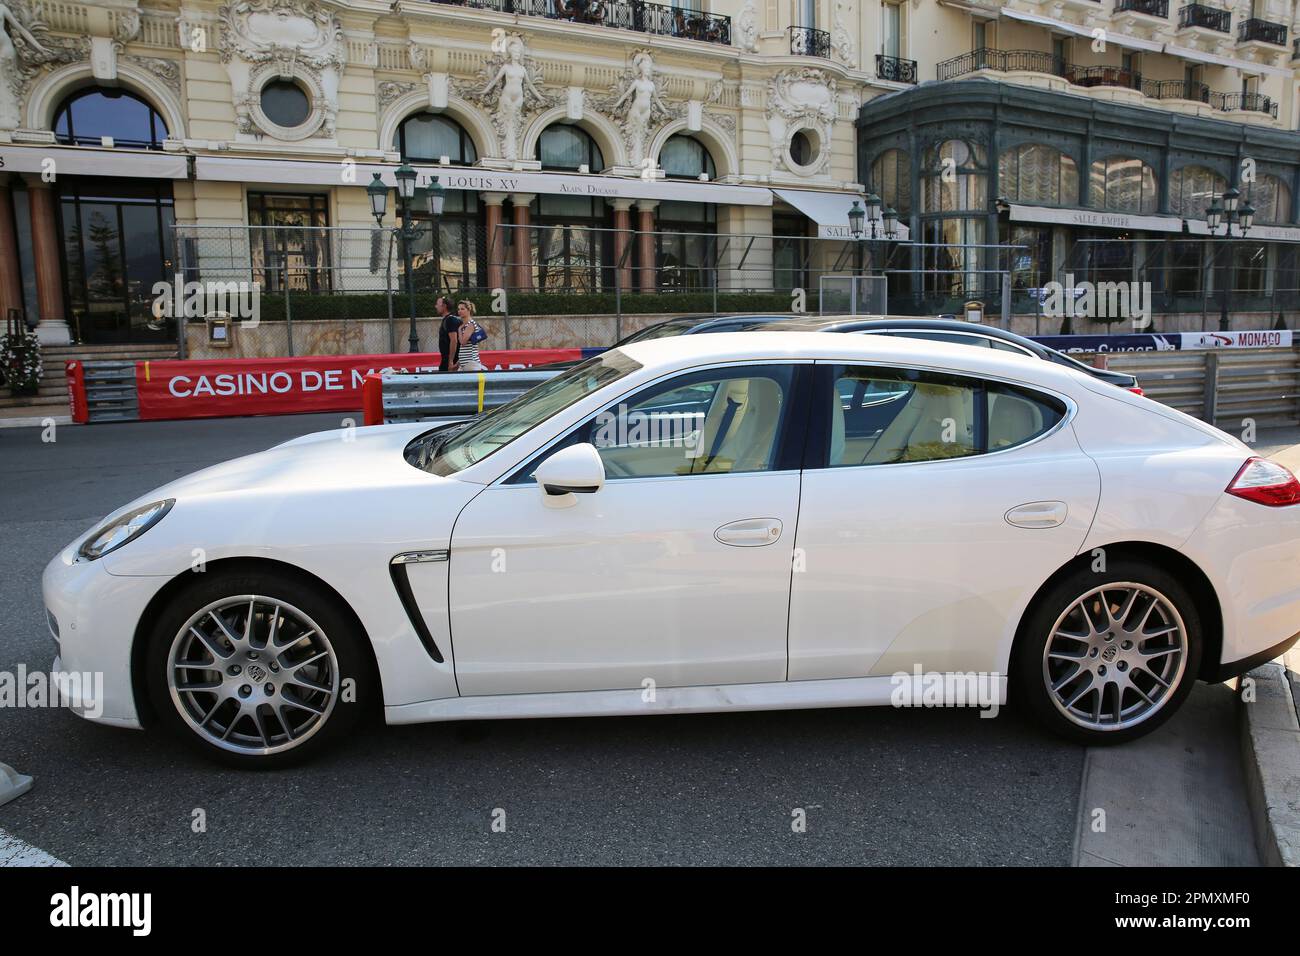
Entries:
{"x":716,"y":522}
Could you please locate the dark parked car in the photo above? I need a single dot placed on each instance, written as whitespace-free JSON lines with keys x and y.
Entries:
{"x":687,"y":325}
{"x":952,"y":330}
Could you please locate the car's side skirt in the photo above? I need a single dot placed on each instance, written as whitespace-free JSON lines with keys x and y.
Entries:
{"x":916,"y":690}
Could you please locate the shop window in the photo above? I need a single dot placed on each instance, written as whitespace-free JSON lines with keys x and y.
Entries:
{"x":686,"y":245}
{"x":955,"y":178}
{"x":1030,"y":262}
{"x":293,"y":245}
{"x":1250,"y":268}
{"x":1122,"y":184}
{"x":88,"y":115}
{"x":1040,"y":174}
{"x":572,"y":250}
{"x":1271,"y":198}
{"x":891,"y":180}
{"x":684,"y":157}
{"x":1184,"y":267}
{"x":1193,"y":189}
{"x":427,"y":137}
{"x":569,"y":148}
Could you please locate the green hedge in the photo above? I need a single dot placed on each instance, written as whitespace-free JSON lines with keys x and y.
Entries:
{"x":375,"y":305}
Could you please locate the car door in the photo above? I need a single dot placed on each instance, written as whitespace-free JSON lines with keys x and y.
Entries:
{"x":928,"y":519}
{"x":676,"y":572}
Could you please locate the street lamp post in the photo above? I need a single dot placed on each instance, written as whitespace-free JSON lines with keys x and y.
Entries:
{"x":1232,"y":212}
{"x":412,"y":200}
{"x":874,"y":227}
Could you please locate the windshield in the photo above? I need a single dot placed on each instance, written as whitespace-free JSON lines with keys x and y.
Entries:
{"x":447,"y":451}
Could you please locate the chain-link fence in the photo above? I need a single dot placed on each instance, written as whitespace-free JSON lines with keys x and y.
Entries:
{"x":343,"y":289}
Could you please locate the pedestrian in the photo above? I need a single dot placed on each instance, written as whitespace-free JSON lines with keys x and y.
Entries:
{"x":448,"y":323}
{"x":468,"y":336}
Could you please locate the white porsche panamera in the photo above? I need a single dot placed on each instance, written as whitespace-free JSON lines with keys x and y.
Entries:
{"x":722,"y":522}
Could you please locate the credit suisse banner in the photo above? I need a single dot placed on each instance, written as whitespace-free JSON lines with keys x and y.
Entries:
{"x":211,"y":388}
{"x":1165,"y":341}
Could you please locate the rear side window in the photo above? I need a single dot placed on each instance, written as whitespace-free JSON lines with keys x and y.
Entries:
{"x":882,"y":416}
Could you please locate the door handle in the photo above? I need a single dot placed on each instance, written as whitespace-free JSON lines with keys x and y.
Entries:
{"x":750,"y":532}
{"x":1038,"y":514}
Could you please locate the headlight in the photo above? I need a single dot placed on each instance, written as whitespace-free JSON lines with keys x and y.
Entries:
{"x":123,"y":529}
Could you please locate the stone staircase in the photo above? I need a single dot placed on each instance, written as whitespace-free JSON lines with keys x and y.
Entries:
{"x":52,"y":398}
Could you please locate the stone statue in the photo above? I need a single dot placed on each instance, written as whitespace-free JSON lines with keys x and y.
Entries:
{"x":513,"y":88}
{"x":644,"y":106}
{"x":747,"y":28}
{"x":11,"y":72}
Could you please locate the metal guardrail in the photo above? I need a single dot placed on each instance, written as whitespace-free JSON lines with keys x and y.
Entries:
{"x":448,"y":395}
{"x":1226,"y":387}
{"x":110,"y":391}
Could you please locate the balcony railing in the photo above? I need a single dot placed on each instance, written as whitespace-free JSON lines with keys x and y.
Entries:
{"x":1152,"y":8}
{"x":1209,"y":18}
{"x":656,"y":18}
{"x":809,"y":41}
{"x":1247,"y":102}
{"x":1089,"y":76}
{"x":1004,"y":61}
{"x":1262,"y":31}
{"x":895,"y":68}
{"x":1175,"y":90}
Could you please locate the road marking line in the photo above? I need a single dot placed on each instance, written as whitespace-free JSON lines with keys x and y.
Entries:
{"x":16,"y":852}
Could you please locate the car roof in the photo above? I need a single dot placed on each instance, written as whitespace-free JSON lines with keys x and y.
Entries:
{"x":669,"y":353}
{"x":847,"y":323}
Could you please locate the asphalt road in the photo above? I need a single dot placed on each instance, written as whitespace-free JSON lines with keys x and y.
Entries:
{"x":879,"y":786}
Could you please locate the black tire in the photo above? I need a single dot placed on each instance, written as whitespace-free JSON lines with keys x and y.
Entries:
{"x":1030,"y":672}
{"x":337,"y":633}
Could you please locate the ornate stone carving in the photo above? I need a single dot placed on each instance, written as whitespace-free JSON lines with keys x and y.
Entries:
{"x":265,"y":40}
{"x":390,"y":91}
{"x":128,"y":26}
{"x":747,"y":28}
{"x":26,"y":50}
{"x":510,"y":88}
{"x":637,"y":105}
{"x":168,"y":71}
{"x":801,"y":99}
{"x":418,"y":57}
{"x":842,"y":44}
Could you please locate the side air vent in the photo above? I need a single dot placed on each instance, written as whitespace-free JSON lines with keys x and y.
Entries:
{"x":402,"y":582}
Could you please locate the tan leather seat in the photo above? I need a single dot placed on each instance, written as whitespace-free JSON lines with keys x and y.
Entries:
{"x":1012,"y":420}
{"x":746,"y":445}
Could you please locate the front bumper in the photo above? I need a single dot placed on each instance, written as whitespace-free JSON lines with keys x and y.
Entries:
{"x":96,"y":615}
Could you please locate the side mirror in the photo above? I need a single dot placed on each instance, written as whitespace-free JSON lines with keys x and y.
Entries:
{"x":576,"y":470}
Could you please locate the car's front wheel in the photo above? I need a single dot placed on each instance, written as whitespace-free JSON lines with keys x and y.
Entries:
{"x":1106,"y":657}
{"x":256,"y":670}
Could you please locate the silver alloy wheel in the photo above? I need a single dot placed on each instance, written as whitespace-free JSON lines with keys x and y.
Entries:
{"x":1114,"y":657}
{"x":252,"y":675}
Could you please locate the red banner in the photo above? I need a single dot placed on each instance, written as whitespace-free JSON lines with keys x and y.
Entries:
{"x":211,"y":388}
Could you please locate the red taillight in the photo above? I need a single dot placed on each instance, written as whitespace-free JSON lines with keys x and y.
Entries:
{"x":1136,"y":390}
{"x":1265,"y":482}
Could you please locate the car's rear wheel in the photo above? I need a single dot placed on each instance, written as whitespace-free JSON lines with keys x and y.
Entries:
{"x":256,"y":670}
{"x":1106,"y":657}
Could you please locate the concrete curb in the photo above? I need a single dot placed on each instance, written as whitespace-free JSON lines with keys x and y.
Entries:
{"x":1270,"y":746}
{"x":34,"y":421}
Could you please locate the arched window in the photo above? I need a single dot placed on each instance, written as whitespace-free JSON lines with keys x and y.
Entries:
{"x":427,"y":137}
{"x":1036,"y":173}
{"x":1192,"y":189}
{"x":1271,"y":198}
{"x":88,"y":115}
{"x":891,"y":180}
{"x":569,"y":147}
{"x":1122,"y":184}
{"x":954,"y":178}
{"x":684,"y":157}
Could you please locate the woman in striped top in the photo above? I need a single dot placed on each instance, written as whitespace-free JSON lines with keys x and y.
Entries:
{"x":467,"y":359}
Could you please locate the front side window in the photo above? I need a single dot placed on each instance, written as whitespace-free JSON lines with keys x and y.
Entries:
{"x":710,"y":422}
{"x":882,"y":416}
{"x":447,"y":451}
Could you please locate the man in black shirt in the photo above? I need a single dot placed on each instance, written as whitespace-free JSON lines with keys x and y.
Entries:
{"x":448,"y":323}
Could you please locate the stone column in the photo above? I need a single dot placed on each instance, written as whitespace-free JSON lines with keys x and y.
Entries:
{"x":53,"y":328}
{"x":11,"y":283}
{"x":495,"y":240}
{"x":645,"y":209}
{"x":622,"y":239}
{"x":521,"y":242}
